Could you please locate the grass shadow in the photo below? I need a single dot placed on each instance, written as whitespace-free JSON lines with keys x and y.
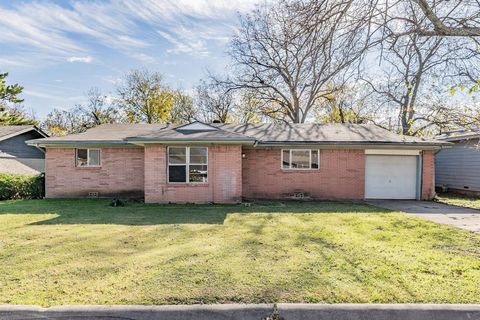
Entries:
{"x":98,"y":211}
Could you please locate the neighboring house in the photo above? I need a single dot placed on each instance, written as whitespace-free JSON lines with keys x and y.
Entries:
{"x":458,"y":168}
{"x":201,"y":162}
{"x":18,"y":157}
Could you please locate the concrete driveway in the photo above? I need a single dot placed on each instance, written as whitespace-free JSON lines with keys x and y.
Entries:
{"x":464,"y":218}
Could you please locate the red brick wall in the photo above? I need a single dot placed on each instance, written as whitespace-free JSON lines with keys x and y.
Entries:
{"x":428,"y":175}
{"x":341,"y":175}
{"x":224,"y":177}
{"x":121,"y":173}
{"x":140,"y":172}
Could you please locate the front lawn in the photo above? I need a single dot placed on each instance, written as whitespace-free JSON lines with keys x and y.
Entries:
{"x":459,"y":200}
{"x":85,"y":252}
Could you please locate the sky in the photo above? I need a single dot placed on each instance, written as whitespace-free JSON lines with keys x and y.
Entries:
{"x":58,"y":50}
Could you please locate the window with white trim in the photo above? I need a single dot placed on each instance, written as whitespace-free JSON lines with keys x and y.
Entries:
{"x":187,"y":164}
{"x":300,"y":159}
{"x":88,"y":157}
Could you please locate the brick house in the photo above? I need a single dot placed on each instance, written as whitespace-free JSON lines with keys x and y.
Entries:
{"x":224,"y":163}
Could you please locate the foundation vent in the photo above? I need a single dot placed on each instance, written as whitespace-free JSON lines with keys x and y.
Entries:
{"x":298,"y":195}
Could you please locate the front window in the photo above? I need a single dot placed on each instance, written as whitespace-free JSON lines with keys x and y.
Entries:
{"x":88,"y":157}
{"x":300,"y":159}
{"x":187,"y":164}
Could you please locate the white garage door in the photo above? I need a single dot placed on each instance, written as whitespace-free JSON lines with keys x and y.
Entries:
{"x":390,"y":177}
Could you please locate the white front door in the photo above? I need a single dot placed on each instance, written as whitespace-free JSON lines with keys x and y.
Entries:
{"x":390,"y":177}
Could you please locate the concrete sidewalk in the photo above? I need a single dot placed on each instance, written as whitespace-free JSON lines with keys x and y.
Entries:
{"x":247,"y":312}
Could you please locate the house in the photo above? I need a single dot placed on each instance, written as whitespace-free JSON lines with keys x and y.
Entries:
{"x":458,"y":168}
{"x":223,"y":163}
{"x":15,"y":155}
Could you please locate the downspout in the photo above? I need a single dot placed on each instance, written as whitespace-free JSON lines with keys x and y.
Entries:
{"x":214,"y":175}
{"x":45,"y":175}
{"x":419,"y":175}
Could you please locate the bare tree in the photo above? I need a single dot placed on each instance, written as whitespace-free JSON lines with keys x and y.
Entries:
{"x":446,"y":18}
{"x":410,"y":65}
{"x":441,"y":117}
{"x":349,"y":104}
{"x":454,"y":18}
{"x":61,"y":122}
{"x":98,"y":109}
{"x":215,"y":103}
{"x":184,"y":110}
{"x":248,"y":109}
{"x":287,"y":54}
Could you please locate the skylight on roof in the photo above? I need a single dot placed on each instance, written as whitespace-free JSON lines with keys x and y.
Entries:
{"x":196,"y":126}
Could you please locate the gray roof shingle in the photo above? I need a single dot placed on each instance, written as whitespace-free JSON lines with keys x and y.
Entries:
{"x":323,"y":133}
{"x":10,"y":131}
{"x":267,"y":133}
{"x":109,"y":132}
{"x":170,"y":133}
{"x":459,"y":135}
{"x":126,"y":133}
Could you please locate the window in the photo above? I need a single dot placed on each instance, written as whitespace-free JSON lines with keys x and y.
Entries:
{"x":88,"y":158}
{"x":187,"y":164}
{"x":300,"y":159}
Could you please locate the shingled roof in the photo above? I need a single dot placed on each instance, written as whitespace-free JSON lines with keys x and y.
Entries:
{"x":280,"y":133}
{"x":260,"y":134}
{"x":7,"y":132}
{"x":459,"y":135}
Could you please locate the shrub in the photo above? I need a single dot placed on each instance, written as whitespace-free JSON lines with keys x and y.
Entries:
{"x":15,"y":186}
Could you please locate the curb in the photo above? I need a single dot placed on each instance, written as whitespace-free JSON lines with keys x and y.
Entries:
{"x":135,"y":312}
{"x":246,"y":312}
{"x":379,"y":311}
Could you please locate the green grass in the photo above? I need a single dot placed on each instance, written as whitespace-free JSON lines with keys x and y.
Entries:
{"x":459,"y":200}
{"x":84,"y":252}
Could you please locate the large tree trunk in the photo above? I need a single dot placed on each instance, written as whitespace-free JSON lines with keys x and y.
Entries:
{"x":404,"y":120}
{"x":296,"y":110}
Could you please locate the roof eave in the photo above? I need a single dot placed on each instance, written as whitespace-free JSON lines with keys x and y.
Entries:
{"x":131,"y":142}
{"x":67,"y":143}
{"x":16,"y":133}
{"x":460,"y":138}
{"x":381,"y":144}
{"x":190,"y":141}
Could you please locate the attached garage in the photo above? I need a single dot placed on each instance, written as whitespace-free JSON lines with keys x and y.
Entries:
{"x":392,"y":176}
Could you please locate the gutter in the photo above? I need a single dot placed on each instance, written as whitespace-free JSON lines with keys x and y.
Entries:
{"x":117,"y":143}
{"x":170,"y":141}
{"x":383,"y":145}
{"x":58,"y":143}
{"x":254,"y":143}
